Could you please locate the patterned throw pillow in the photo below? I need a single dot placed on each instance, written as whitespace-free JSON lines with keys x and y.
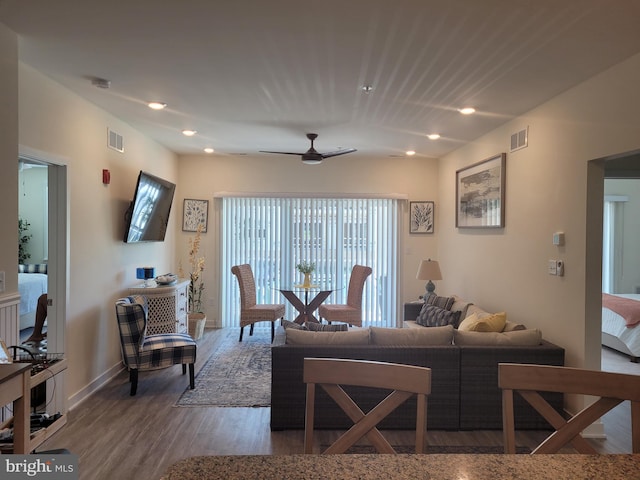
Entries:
{"x":293,"y":325}
{"x":440,"y":302}
{"x":432,"y":316}
{"x":321,"y":327}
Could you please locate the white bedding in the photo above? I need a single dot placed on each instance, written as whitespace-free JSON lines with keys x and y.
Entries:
{"x":614,"y":325}
{"x":30,"y":287}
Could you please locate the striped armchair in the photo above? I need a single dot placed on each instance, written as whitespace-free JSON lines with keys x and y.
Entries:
{"x":148,"y":352}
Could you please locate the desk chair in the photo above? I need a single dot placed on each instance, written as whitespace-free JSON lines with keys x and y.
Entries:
{"x":250,"y":312}
{"x":332,"y":373}
{"x":149,"y":352}
{"x":351,"y":312}
{"x":528,"y":380}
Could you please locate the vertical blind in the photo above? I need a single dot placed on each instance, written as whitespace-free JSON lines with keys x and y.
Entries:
{"x":273,"y":235}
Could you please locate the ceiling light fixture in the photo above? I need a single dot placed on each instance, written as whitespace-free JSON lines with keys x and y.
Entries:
{"x":209,"y":150}
{"x":410,"y":153}
{"x":433,"y":136}
{"x":189,"y":133}
{"x":157,"y":105}
{"x":101,"y":82}
{"x":467,"y":110}
{"x":367,"y":88}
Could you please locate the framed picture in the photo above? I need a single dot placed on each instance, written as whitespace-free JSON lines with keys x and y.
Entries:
{"x":421,"y":217}
{"x":480,"y":194}
{"x":195,"y":213}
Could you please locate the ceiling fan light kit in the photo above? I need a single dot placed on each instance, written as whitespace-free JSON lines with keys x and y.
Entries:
{"x":312,"y":156}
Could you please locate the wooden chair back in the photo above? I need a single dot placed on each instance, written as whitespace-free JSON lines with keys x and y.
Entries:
{"x":528,"y":380}
{"x":331,"y":374}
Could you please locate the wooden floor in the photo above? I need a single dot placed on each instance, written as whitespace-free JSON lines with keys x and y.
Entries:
{"x":123,"y":437}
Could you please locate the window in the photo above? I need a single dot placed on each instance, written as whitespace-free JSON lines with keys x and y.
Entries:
{"x":273,"y":235}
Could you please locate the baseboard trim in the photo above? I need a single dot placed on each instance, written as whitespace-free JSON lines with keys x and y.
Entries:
{"x":80,"y":396}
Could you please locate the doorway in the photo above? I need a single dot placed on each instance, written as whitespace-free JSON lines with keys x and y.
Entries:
{"x":50,"y":209}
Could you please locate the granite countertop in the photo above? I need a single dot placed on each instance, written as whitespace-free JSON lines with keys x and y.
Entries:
{"x":432,"y":467}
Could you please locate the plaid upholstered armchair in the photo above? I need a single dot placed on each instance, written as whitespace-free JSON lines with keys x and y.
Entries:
{"x":149,"y":352}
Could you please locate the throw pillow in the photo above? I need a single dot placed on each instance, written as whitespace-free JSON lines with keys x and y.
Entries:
{"x":512,"y":327}
{"x":301,"y":337}
{"x":289,"y":324}
{"x":490,"y":323}
{"x":432,"y":316}
{"x":530,"y":337}
{"x":322,"y":327}
{"x":440,"y":302}
{"x":412,"y":336}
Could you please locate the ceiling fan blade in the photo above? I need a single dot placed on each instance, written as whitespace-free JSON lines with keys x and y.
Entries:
{"x":283,"y":153}
{"x":338,"y":152}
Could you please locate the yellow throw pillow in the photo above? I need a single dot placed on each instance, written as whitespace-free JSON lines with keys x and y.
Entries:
{"x":490,"y":323}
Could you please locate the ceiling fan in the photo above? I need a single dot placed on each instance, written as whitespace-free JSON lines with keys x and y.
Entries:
{"x":312,"y":156}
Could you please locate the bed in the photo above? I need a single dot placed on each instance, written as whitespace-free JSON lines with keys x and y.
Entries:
{"x":32,"y":282}
{"x":621,"y":323}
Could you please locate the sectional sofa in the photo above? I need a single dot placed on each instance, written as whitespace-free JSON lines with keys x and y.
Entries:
{"x":465,"y":393}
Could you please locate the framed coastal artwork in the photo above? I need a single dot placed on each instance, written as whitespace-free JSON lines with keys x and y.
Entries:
{"x":195,"y":213}
{"x":480,"y":194}
{"x":421,"y":217}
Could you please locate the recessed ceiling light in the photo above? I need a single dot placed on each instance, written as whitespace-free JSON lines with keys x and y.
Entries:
{"x":157,"y":105}
{"x":189,"y":133}
{"x":467,"y":110}
{"x":209,"y":150}
{"x":410,"y":152}
{"x":433,"y":136}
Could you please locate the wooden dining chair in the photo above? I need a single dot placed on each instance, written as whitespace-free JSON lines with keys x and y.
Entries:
{"x":250,"y":312}
{"x":351,"y":312}
{"x":331,"y":374}
{"x":528,"y":380}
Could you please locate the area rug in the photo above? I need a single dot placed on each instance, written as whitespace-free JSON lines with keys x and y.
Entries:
{"x":435,"y":449}
{"x":238,"y":374}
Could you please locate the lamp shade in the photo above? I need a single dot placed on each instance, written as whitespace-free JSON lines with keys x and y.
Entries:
{"x":429,"y":270}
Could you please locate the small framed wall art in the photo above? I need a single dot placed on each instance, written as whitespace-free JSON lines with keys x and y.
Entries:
{"x":421,"y":217}
{"x":480,"y":194}
{"x":195,"y":213}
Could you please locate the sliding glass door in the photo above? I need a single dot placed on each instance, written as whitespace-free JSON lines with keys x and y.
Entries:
{"x":273,"y":235}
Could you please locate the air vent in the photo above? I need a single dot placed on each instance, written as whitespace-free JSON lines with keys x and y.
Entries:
{"x":519,"y":139}
{"x":115,"y":141}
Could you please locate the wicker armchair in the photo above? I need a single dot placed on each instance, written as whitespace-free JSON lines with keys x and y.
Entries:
{"x":350,"y":313}
{"x":149,"y":352}
{"x":250,"y":313}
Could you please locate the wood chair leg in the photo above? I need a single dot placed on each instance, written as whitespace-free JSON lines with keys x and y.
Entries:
{"x":273,"y":331}
{"x":133,"y":378}
{"x":184,"y":368}
{"x":192,"y":382}
{"x":251,"y":329}
{"x":241,"y":332}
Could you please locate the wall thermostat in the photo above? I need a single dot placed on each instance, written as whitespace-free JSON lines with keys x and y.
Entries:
{"x":558,"y":238}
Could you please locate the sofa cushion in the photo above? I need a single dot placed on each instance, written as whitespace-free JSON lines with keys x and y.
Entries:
{"x":441,"y":302}
{"x":412,"y":336}
{"x":323,"y":327}
{"x":432,"y":316}
{"x":490,"y":323}
{"x":302,"y":337}
{"x":520,"y":338}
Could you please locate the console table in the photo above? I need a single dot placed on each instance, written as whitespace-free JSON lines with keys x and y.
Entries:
{"x":168,"y":307}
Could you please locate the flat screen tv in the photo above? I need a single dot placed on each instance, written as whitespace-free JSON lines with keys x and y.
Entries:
{"x":148,"y":215}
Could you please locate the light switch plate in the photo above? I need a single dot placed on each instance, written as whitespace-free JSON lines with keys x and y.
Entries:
{"x":553,"y":267}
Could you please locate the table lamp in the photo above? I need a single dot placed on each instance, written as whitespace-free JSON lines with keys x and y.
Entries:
{"x":146,"y":274}
{"x":429,"y":270}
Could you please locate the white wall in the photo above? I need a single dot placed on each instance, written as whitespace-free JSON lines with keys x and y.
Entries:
{"x":58,"y":122}
{"x":547,"y":191}
{"x":630,"y":274}
{"x":202,"y":176}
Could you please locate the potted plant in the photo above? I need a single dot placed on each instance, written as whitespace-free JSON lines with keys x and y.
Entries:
{"x":307,"y":269}
{"x":23,"y":240}
{"x":197,"y":317}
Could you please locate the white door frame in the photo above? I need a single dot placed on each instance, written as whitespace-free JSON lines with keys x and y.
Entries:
{"x":58,"y":264}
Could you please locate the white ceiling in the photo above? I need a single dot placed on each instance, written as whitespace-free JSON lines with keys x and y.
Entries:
{"x":253,"y":75}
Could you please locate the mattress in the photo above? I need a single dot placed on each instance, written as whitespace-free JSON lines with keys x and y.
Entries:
{"x":614,"y":325}
{"x":30,"y":287}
